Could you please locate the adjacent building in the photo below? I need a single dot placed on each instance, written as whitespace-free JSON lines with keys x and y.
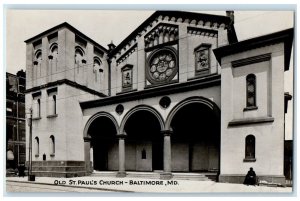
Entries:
{"x":15,"y":119}
{"x":179,"y":94}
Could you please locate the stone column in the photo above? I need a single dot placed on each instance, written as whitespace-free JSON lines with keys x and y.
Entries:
{"x":167,"y":155}
{"x":92,"y":159}
{"x":121,"y":172}
{"x":87,"y":157}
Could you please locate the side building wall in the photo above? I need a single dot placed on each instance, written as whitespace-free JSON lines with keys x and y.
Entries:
{"x":264,"y":121}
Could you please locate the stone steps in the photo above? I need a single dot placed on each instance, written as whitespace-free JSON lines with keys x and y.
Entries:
{"x":156,"y":175}
{"x":59,"y":174}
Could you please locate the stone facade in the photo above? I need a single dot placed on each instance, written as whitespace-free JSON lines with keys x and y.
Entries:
{"x":171,"y":97}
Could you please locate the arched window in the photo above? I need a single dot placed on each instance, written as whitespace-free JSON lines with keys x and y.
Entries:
{"x":37,"y":63}
{"x":54,"y":104}
{"x":52,"y":145}
{"x":79,"y":54}
{"x":54,"y":50}
{"x":39,"y":108}
{"x":250,"y":148}
{"x":36,"y":146}
{"x":97,"y":67}
{"x":38,"y":56}
{"x":251,"y":90}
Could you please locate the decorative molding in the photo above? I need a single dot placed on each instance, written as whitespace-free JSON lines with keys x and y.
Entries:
{"x":250,"y":108}
{"x":202,"y":32}
{"x":251,"y":160}
{"x":194,"y":19}
{"x":162,"y":33}
{"x":251,"y":60}
{"x":68,"y":82}
{"x":51,"y":90}
{"x":209,"y":81}
{"x":35,"y":94}
{"x":48,"y":32}
{"x":285,"y":37}
{"x":126,"y":54}
{"x":52,"y":116}
{"x":245,"y":121}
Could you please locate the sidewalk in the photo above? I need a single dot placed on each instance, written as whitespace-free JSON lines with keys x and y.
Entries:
{"x":150,"y":185}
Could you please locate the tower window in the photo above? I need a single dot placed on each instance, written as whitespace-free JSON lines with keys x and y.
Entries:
{"x":251,"y":90}
{"x":37,"y":146}
{"x":52,"y":145}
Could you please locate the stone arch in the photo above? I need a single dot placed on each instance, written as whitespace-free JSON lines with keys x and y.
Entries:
{"x":195,"y":99}
{"x":97,"y":115}
{"x":139,"y":108}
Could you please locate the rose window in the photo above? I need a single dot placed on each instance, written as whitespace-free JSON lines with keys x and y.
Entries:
{"x":162,"y":66}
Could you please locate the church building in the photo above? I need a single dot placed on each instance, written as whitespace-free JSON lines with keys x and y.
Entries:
{"x":180,"y":94}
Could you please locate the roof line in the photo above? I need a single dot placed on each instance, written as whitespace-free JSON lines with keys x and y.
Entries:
{"x":67,"y":25}
{"x":285,"y":36}
{"x":182,"y":14}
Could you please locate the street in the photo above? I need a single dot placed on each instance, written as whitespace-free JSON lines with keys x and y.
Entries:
{"x":127,"y":184}
{"x":12,"y":187}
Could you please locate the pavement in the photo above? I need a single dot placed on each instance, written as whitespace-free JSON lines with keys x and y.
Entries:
{"x":149,"y":185}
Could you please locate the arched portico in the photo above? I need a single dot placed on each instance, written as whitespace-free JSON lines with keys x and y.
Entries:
{"x":195,"y":99}
{"x":144,"y":141}
{"x":194,"y":124}
{"x":142,"y":108}
{"x":100,"y":142}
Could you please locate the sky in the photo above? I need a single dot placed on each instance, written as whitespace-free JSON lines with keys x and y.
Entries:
{"x":105,"y":26}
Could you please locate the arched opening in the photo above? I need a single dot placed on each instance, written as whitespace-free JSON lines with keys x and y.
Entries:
{"x":144,"y":142}
{"x":104,"y":143}
{"x":195,"y":139}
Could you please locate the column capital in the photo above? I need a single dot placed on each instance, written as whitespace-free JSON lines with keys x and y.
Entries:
{"x":166,"y":132}
{"x":121,"y":135}
{"x":87,"y":139}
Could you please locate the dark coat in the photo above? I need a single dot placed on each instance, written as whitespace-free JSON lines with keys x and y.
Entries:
{"x":250,"y":178}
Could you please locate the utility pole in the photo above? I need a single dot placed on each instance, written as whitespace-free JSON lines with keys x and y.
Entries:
{"x":30,"y":176}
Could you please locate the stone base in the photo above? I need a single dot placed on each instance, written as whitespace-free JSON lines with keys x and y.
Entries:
{"x":239,"y":179}
{"x":65,"y":169}
{"x":121,"y":174}
{"x":166,"y":175}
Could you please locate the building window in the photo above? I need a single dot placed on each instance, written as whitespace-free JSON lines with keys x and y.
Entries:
{"x":144,"y":156}
{"x":162,"y":66}
{"x":36,"y":108}
{"x":37,"y":147}
{"x":53,"y":57}
{"x":52,"y":146}
{"x":251,"y":90}
{"x":39,"y":107}
{"x":97,"y":68}
{"x":52,"y":102}
{"x":37,"y":63}
{"x":250,"y":149}
{"x":127,"y":77}
{"x":202,"y":59}
{"x":79,"y":56}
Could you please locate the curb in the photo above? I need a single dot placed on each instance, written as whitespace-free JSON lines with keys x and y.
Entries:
{"x":91,"y":188}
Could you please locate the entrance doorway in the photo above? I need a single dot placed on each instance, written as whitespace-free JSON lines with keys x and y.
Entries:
{"x":144,"y":142}
{"x":195,"y":139}
{"x":104,"y":144}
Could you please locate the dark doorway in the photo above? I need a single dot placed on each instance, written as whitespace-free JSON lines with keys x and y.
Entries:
{"x":143,"y":136}
{"x":104,"y":143}
{"x":195,"y":139}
